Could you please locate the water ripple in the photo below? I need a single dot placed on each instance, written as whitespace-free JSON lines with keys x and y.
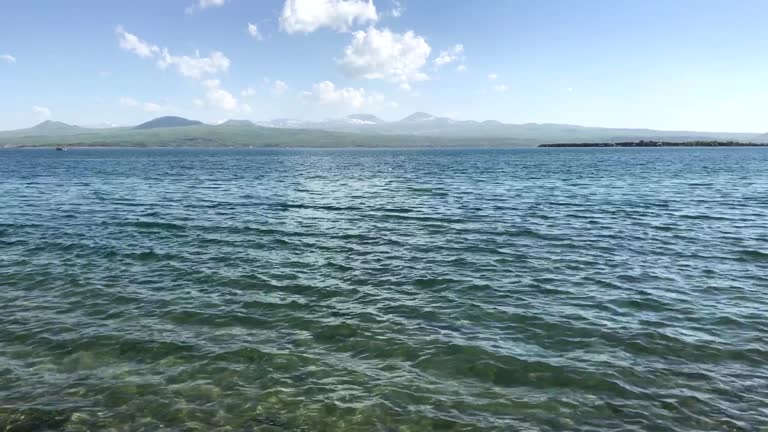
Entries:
{"x":384,"y":290}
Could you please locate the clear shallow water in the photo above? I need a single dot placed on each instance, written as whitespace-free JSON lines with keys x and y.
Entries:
{"x":388,"y":290}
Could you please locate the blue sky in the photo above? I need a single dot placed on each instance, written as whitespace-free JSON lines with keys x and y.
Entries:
{"x":684,"y":64}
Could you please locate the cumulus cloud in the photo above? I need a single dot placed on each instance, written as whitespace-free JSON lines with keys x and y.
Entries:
{"x":450,"y":56}
{"x":217,"y":97}
{"x":253,"y":30}
{"x":248,"y":92}
{"x":7,"y":58}
{"x":385,"y":55}
{"x":132,"y":43}
{"x":492,"y":76}
{"x":195,"y":67}
{"x":43,"y":113}
{"x":461,"y":68}
{"x":327,"y":93}
{"x":306,"y":16}
{"x":192,"y":67}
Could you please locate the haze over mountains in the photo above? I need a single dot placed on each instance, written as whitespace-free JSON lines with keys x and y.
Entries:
{"x":417,"y":129}
{"x":425,"y":124}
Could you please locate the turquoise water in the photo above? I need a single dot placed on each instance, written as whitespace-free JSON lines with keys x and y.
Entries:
{"x":384,"y":290}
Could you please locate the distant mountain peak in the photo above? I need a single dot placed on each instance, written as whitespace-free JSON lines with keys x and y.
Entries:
{"x":53,"y":123}
{"x":418,"y":116}
{"x":365,"y":118}
{"x":167,"y":122}
{"x":235,"y":122}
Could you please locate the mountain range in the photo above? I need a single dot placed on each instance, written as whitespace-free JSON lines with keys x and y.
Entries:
{"x":367,"y":130}
{"x":424,"y":124}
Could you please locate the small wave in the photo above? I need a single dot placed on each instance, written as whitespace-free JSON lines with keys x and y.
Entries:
{"x":429,"y":283}
{"x":754,"y":255}
{"x":162,"y":226}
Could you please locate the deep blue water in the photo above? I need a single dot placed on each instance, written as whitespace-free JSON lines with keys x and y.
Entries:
{"x":384,"y":290}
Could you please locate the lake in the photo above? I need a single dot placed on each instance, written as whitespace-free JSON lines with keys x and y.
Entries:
{"x":384,"y":290}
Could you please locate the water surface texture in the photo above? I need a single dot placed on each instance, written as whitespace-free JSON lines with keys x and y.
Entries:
{"x":384,"y":290}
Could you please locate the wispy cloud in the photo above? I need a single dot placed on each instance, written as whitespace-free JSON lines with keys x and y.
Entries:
{"x":134,"y":44}
{"x":253,"y":30}
{"x":195,"y":67}
{"x":43,"y":113}
{"x":452,"y":55}
{"x":397,"y":9}
{"x":151,"y":107}
{"x":7,"y":58}
{"x":279,"y":87}
{"x":204,"y":4}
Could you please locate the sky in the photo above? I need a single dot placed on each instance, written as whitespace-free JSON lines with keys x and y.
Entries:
{"x":675,"y":65}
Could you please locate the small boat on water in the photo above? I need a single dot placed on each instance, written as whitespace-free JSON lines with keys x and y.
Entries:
{"x":61,"y":149}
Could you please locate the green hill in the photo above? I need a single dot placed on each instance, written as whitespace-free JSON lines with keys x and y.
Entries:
{"x":167,"y":122}
{"x":46,"y":128}
{"x":243,"y":136}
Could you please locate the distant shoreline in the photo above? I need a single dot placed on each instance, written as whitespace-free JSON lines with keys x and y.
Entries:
{"x":659,"y":144}
{"x":640,"y":144}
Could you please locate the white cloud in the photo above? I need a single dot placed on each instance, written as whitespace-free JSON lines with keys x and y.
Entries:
{"x":327,"y":93}
{"x":279,"y":87}
{"x":146,"y":106}
{"x":132,"y":43}
{"x":248,"y":92}
{"x":450,"y":56}
{"x":397,"y":9}
{"x":253,"y":30}
{"x":152,"y":107}
{"x":205,"y":4}
{"x":198,"y":103}
{"x":129,"y":102}
{"x":492,"y":76}
{"x":7,"y":58}
{"x":217,"y":97}
{"x":195,"y":67}
{"x":306,"y":16}
{"x":501,"y":88}
{"x":461,"y":68}
{"x":382,"y":54}
{"x":42,"y":112}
